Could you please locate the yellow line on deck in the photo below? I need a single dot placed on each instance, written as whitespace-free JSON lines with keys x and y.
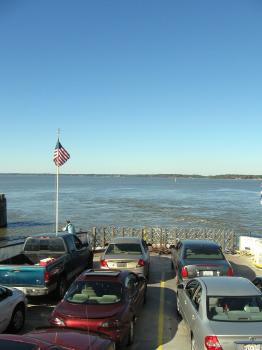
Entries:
{"x":161,"y":313}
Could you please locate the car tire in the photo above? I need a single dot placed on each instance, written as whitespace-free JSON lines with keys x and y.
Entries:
{"x":17,"y":320}
{"x":193,"y":343}
{"x":131,"y":334}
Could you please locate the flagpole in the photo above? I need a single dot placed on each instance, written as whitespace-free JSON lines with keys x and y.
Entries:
{"x":57,"y":189}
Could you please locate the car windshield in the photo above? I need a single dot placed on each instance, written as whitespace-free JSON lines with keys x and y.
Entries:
{"x":17,"y":345}
{"x":203,"y":253}
{"x":94,"y":292}
{"x":235,"y":308}
{"x":124,"y":248}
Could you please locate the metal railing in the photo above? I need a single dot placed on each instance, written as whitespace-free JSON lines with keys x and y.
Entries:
{"x":159,"y":238}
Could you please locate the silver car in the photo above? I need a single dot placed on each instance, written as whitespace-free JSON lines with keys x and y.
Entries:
{"x":223,"y":313}
{"x":129,"y":253}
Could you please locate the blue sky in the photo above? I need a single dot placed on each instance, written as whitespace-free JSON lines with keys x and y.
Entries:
{"x":136,"y":86}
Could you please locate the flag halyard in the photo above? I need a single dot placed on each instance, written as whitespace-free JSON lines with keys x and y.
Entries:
{"x":60,"y":154}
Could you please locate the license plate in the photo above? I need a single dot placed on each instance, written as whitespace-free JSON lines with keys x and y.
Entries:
{"x":121,"y":264}
{"x":251,"y":347}
{"x":207,"y":273}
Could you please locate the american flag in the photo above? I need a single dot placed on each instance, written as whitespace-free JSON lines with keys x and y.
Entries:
{"x":60,"y":154}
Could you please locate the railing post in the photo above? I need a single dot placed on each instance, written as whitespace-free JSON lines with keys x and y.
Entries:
{"x":104,"y":237}
{"x":113,"y":232}
{"x":123,"y":232}
{"x":94,"y":238}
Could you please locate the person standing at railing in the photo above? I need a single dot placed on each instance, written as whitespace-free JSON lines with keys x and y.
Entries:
{"x":69,"y":227}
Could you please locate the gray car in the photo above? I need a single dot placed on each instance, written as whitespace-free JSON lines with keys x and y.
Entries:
{"x":196,"y":258}
{"x":222,"y":313}
{"x":129,"y":253}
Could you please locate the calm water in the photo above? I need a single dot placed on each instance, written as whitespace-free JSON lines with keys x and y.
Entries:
{"x":128,"y":201}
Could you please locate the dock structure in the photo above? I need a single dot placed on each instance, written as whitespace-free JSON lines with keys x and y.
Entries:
{"x":3,"y":213}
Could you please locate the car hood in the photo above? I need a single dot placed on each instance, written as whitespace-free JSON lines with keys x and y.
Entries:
{"x":88,"y":311}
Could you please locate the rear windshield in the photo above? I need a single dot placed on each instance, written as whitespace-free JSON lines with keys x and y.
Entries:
{"x":16,"y":345}
{"x":203,"y":253}
{"x":55,"y":244}
{"x":122,"y":248}
{"x":235,"y":309}
{"x":94,"y":292}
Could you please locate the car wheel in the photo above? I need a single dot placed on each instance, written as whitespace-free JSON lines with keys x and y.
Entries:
{"x":193,"y":343}
{"x":18,"y":319}
{"x":131,"y":334}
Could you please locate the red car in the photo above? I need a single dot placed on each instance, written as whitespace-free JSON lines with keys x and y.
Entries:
{"x":107,"y":301}
{"x":55,"y":339}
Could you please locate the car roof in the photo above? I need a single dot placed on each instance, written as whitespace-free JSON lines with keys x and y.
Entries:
{"x":129,"y":240}
{"x":229,"y":286}
{"x":199,"y":242}
{"x":51,"y":234}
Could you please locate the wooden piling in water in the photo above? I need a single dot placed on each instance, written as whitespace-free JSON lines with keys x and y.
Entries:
{"x":3,"y":215}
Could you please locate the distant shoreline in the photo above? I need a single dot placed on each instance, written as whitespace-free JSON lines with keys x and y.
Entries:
{"x":175,"y":176}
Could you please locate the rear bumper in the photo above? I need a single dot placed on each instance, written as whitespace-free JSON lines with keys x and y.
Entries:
{"x":35,"y":291}
{"x":137,"y":270}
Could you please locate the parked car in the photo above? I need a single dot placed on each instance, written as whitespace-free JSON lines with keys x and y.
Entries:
{"x":56,"y":339}
{"x":258,"y":282}
{"x":196,"y":258}
{"x":104,"y":301}
{"x":127,"y":253}
{"x":222,"y":313}
{"x":47,"y":263}
{"x":13,"y":305}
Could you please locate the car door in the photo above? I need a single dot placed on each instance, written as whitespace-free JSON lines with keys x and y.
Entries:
{"x":6,"y":307}
{"x":193,"y":310}
{"x":186,"y":299}
{"x":134,"y":292}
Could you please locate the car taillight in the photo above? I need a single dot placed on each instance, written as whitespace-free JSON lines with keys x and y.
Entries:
{"x":110,"y":324}
{"x":46,"y":276}
{"x":141,"y":262}
{"x":184,"y":272}
{"x":212,"y":343}
{"x":103,"y":263}
{"x":230,"y":271}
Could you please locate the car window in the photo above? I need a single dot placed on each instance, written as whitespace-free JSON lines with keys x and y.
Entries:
{"x":3,"y":293}
{"x":55,"y":244}
{"x":191,"y":288}
{"x":94,"y":292}
{"x":78,"y":243}
{"x":131,"y":283}
{"x":235,"y":308}
{"x":197,"y":297}
{"x":122,"y":248}
{"x":203,"y":253}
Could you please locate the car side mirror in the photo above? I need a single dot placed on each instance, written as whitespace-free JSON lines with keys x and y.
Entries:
{"x":180,"y":286}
